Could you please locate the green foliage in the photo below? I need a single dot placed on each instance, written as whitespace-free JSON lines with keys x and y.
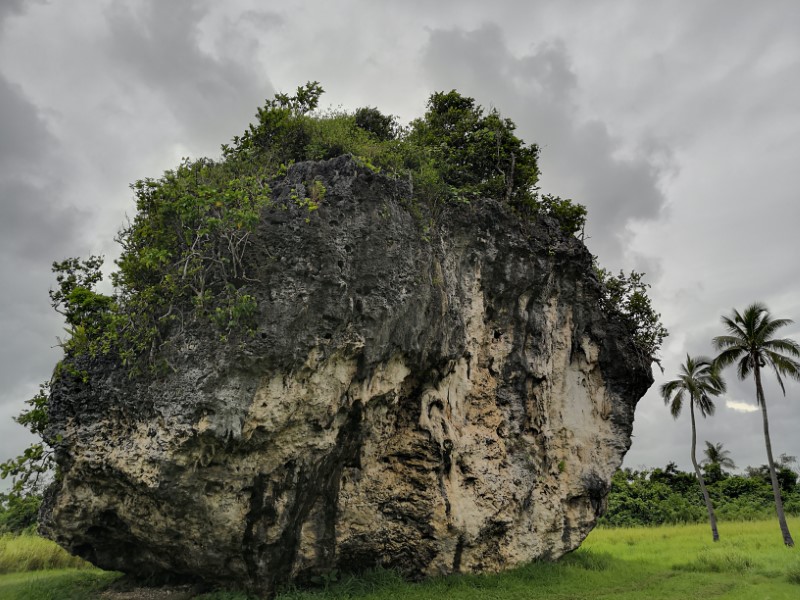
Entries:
{"x":29,"y":471}
{"x":86,"y":312}
{"x":476,"y":154}
{"x":456,"y":152}
{"x":670,"y":496}
{"x":570,"y":216}
{"x":182,"y":261}
{"x":383,"y":127}
{"x":787,"y":478}
{"x":236,"y":311}
{"x":712,"y":472}
{"x":281,"y":133}
{"x":316,"y":194}
{"x":636,"y":499}
{"x":19,"y":513}
{"x":183,"y":256}
{"x":626,"y":296}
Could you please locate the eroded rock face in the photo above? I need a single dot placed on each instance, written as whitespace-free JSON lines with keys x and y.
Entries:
{"x":428,"y":400}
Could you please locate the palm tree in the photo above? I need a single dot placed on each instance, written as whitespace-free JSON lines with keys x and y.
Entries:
{"x":751,"y":345}
{"x":699,"y":380}
{"x":717,"y":455}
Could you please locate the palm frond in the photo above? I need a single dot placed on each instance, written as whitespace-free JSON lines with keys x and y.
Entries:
{"x":778,"y":377}
{"x":784,"y":345}
{"x":729,"y":355}
{"x":744,"y":366}
{"x":783,"y":366}
{"x":677,"y":405}
{"x":787,"y":366}
{"x":733,"y":325}
{"x":770,"y":326}
{"x":668,"y":389}
{"x":699,"y":379}
{"x":751,"y":345}
{"x":706,"y":405}
{"x":716,"y":454}
{"x":753,"y":315}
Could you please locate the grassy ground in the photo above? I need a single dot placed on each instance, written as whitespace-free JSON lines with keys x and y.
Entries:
{"x":750,"y":562}
{"x":61,"y":584}
{"x":33,"y":553}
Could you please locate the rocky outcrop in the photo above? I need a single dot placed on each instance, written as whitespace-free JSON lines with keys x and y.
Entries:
{"x":434,"y":399}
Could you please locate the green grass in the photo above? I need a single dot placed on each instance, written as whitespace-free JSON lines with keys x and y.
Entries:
{"x":30,"y":552}
{"x":660,"y":563}
{"x":62,"y":584}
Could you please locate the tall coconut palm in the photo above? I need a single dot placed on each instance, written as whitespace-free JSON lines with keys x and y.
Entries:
{"x":698,"y":380}
{"x":751,"y":345}
{"x":716,"y":454}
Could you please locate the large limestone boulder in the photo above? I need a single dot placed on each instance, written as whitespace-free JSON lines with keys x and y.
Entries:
{"x":432,"y":399}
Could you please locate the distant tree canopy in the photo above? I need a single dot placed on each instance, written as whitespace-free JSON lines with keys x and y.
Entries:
{"x":670,"y":496}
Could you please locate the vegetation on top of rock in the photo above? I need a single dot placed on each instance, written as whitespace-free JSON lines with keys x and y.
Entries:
{"x":626,"y":296}
{"x":182,"y":254}
{"x":456,"y":151}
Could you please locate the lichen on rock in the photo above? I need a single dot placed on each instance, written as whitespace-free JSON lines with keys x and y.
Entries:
{"x":430,"y":399}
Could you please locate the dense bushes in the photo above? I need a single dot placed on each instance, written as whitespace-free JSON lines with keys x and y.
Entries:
{"x":669,"y":496}
{"x":455,"y":152}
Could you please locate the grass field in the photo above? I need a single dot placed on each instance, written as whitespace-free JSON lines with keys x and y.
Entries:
{"x":750,"y":562}
{"x":33,"y":553}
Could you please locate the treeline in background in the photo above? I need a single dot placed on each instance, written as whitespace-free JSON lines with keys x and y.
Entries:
{"x":668,"y":495}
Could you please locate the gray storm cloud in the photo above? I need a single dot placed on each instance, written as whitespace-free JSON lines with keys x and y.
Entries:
{"x":33,"y":227}
{"x":159,"y":47}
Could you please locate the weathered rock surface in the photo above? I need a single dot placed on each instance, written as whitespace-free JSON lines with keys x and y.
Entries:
{"x":435,"y":400}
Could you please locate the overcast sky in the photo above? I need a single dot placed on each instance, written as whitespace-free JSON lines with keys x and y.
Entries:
{"x":676,"y":123}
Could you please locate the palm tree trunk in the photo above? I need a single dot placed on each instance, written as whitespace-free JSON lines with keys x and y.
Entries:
{"x":711,"y":517}
{"x":776,"y":488}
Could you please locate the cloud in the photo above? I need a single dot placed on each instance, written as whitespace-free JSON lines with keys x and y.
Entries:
{"x":740,"y":406}
{"x":159,"y":46}
{"x":25,"y":137}
{"x":35,"y":227}
{"x":10,"y":7}
{"x":581,"y":158}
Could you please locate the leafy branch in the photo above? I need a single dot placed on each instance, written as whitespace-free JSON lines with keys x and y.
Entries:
{"x":626,"y":296}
